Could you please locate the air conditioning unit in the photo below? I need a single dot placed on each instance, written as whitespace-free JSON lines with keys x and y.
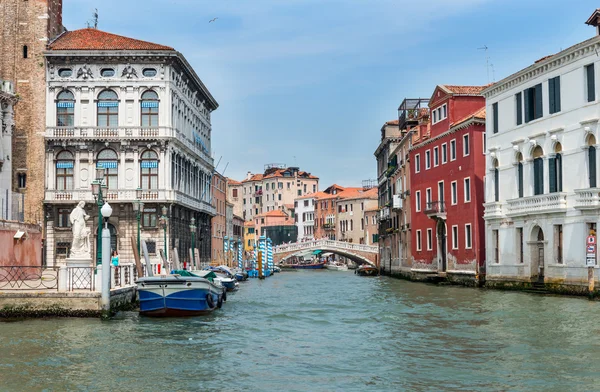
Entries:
{"x":8,"y":87}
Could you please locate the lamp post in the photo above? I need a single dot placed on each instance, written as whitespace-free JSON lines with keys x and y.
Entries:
{"x":193,"y":231}
{"x":99,"y":189}
{"x":163,"y":221}
{"x":106,"y":212}
{"x":138,"y":207}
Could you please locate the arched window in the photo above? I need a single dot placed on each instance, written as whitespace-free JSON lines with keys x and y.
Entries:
{"x":555,"y":169}
{"x":64,"y":170}
{"x":108,"y":160}
{"x":65,"y":107}
{"x":149,"y":106}
{"x":108,"y":109}
{"x":520,"y":174}
{"x":496,"y":180}
{"x":538,"y":171}
{"x":591,"y":142}
{"x":149,"y":170}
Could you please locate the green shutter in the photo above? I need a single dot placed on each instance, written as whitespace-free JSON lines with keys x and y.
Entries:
{"x":592,"y":164}
{"x":552,"y":174}
{"x":519,"y":109}
{"x":557,"y":94}
{"x":538,"y":173}
{"x":528,"y":109}
{"x":495,"y":115}
{"x":496,"y":185}
{"x":520,"y":175}
{"x":551,"y":97}
{"x":559,"y":172}
{"x":591,"y":83}
{"x":539,"y":111}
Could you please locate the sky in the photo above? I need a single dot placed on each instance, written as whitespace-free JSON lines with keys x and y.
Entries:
{"x":310,"y":83}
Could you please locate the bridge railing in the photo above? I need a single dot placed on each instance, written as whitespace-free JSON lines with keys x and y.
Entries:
{"x":315,"y":244}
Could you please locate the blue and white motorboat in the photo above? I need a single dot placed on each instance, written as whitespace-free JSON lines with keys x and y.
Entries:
{"x":181,"y":293}
{"x":226,"y":277}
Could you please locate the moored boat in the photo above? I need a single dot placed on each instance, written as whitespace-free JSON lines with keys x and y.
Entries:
{"x":181,"y":293}
{"x":366,"y":270}
{"x":309,"y":266}
{"x":336,"y":267}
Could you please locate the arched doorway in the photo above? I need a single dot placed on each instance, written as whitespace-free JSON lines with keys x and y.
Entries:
{"x":537,"y":255}
{"x":441,"y":244}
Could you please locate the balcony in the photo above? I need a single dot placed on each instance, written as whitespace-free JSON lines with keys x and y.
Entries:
{"x":493,"y":210}
{"x":258,"y":192}
{"x":539,"y":204}
{"x":587,"y":199}
{"x":329,"y":226}
{"x":397,"y":202}
{"x":384,"y":213}
{"x":408,"y":111}
{"x":436,"y":209}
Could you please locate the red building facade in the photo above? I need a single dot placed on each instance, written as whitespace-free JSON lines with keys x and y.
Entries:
{"x":447,"y":185}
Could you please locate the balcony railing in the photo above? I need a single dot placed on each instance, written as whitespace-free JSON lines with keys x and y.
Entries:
{"x":539,"y":204}
{"x":587,"y":199}
{"x":329,"y":226}
{"x":492,"y":210}
{"x":436,"y":209}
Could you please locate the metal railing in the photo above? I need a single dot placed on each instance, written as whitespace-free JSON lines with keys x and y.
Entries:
{"x":81,"y":278}
{"x":435,"y":207}
{"x":28,"y":278}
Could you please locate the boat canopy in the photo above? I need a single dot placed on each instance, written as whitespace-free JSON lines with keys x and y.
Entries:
{"x":316,"y":252}
{"x":210,"y":275}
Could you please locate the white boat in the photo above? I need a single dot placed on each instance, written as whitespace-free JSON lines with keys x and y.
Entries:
{"x":336,"y":267}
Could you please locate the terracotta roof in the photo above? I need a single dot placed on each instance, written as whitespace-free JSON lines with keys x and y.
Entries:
{"x":311,"y":195}
{"x":543,"y":58}
{"x":479,"y":114}
{"x":465,"y":90}
{"x":233,"y":182}
{"x":94,"y":39}
{"x":358,"y":193}
{"x":249,"y":223}
{"x":255,"y":177}
{"x":274,"y":213}
{"x":392,"y":122}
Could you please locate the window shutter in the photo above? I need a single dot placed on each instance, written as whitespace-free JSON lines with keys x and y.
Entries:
{"x":557,"y":94}
{"x":496,"y":185}
{"x":520,"y":175}
{"x":539,"y":112}
{"x":528,"y":116}
{"x":552,"y":174}
{"x":519,"y":109}
{"x":495,"y":115}
{"x":538,"y":169}
{"x":592,"y":164}
{"x":551,"y":99}
{"x":559,"y":172}
{"x":591,"y":83}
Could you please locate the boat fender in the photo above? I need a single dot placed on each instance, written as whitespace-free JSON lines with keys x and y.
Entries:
{"x":210,"y":301}
{"x":225,"y":295}
{"x":220,"y":302}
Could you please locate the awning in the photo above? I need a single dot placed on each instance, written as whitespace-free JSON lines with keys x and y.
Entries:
{"x":316,"y":252}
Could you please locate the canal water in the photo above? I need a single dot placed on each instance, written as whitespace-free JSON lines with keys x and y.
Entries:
{"x":320,"y":331}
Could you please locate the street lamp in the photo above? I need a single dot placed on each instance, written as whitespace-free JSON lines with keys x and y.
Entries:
{"x":138,"y":207}
{"x":106,"y":211}
{"x":193,"y":231}
{"x":100,"y":190}
{"x":163,"y":220}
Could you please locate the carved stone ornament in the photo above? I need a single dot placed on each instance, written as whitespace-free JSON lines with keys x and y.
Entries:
{"x":129,"y":72}
{"x":85,"y":73}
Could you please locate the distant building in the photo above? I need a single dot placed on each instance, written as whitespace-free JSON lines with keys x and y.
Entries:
{"x":277,"y":186}
{"x":351,"y":205}
{"x":325,"y":212}
{"x":249,"y":237}
{"x":371,"y":232}
{"x":234,"y":191}
{"x":276,"y":225}
{"x":219,"y":221}
{"x":305,"y":216}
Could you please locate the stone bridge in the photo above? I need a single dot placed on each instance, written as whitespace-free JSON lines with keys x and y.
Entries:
{"x":358,"y":253}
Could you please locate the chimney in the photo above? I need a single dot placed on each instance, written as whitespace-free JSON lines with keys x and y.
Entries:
{"x":248,"y":176}
{"x":594,"y":20}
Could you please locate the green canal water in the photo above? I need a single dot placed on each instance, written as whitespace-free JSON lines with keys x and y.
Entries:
{"x":320,"y":331}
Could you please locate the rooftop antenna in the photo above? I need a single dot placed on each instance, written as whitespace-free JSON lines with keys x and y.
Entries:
{"x":223,"y":174}
{"x":487,"y":61}
{"x":218,"y":163}
{"x":493,"y":73}
{"x":96,"y":18}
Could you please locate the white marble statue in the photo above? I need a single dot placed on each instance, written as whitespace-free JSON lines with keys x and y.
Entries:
{"x":80,"y":247}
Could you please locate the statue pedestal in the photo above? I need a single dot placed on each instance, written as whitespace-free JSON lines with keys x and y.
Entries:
{"x":80,"y":273}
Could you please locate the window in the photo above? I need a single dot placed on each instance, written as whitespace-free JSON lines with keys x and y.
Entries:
{"x":25,"y":51}
{"x":496,"y":181}
{"x":149,"y":170}
{"x":554,"y":94}
{"x":558,"y":241}
{"x":555,"y":169}
{"x":279,"y":197}
{"x":22,"y":180}
{"x":149,"y":217}
{"x":107,"y":159}
{"x":468,"y":243}
{"x":538,"y":171}
{"x":427,"y":160}
{"x":428,"y":196}
{"x":65,"y":72}
{"x":149,"y":109}
{"x":533,"y":103}
{"x":107,"y":72}
{"x":289,"y":184}
{"x":590,"y":78}
{"x":496,"y":245}
{"x":108,"y":109}
{"x":519,"y":105}
{"x":454,"y":237}
{"x":418,"y":200}
{"x":444,"y":153}
{"x":64,"y":170}
{"x":453,"y":150}
{"x":151,"y":246}
{"x":483,"y":139}
{"x":63,"y":248}
{"x":314,"y":188}
{"x":467,"y":190}
{"x":417,"y":163}
{"x":429,"y":239}
{"x":63,"y":217}
{"x":149,"y":72}
{"x":495,"y":117}
{"x":440,"y":113}
{"x":234,"y":193}
{"x":65,"y":107}
{"x":436,"y":156}
{"x":280,"y":185}
{"x":454,"y":193}
{"x":466,"y":148}
{"x":419,"y":240}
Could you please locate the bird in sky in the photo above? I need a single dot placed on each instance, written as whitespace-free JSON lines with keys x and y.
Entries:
{"x":212,"y":20}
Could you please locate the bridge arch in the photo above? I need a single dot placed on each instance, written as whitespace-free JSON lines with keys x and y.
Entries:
{"x":360,"y":254}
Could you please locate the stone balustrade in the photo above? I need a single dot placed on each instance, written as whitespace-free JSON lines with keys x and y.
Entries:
{"x":328,"y":244}
{"x":538,"y":204}
{"x":492,"y":210}
{"x":587,"y":199}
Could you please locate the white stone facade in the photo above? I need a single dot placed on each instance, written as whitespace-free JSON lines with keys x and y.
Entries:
{"x":165,"y":151}
{"x":542,"y":196}
{"x":305,"y":217}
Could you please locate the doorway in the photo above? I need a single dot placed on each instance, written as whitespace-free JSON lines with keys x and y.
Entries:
{"x":538,"y":260}
{"x":441,"y":240}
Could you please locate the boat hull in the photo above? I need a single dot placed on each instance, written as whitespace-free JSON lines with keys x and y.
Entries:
{"x":176,"y":297}
{"x":368,"y":271}
{"x":337,"y":267}
{"x":308,"y":266}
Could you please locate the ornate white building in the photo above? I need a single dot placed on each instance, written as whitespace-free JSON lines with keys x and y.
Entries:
{"x":140,"y":112}
{"x":542,"y":193}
